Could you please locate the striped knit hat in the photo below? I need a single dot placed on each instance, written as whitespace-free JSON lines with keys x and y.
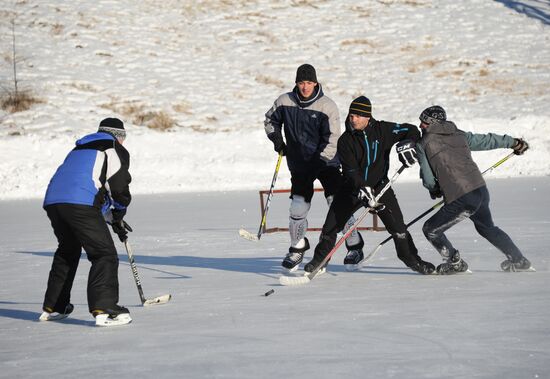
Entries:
{"x":113,"y":126}
{"x":361,"y":106}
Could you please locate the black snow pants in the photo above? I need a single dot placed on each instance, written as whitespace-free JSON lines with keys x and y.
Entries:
{"x":345,"y":204}
{"x":77,"y":227}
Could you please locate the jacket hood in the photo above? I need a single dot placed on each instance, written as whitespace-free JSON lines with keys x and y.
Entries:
{"x":444,"y":127}
{"x":94,"y":137}
{"x":317,"y":94}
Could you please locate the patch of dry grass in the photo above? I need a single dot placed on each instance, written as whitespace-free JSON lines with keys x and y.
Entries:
{"x":22,"y":101}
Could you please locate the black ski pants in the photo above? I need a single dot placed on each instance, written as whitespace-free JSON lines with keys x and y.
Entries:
{"x":345,"y":204}
{"x":77,"y":227}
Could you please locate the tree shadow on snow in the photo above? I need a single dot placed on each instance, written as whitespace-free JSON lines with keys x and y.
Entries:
{"x":533,"y":8}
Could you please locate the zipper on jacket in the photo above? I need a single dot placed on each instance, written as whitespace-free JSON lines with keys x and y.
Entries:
{"x":368,"y":155}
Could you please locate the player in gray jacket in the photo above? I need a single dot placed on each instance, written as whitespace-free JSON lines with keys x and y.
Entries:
{"x":447,"y":169}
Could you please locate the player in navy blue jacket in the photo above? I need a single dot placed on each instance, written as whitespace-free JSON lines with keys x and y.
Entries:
{"x":91,"y":185}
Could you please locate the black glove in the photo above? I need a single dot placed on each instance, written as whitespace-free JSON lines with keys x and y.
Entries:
{"x":520,"y":146}
{"x":121,"y":229}
{"x":406,"y":152}
{"x":278,"y":142}
{"x":435,"y":193}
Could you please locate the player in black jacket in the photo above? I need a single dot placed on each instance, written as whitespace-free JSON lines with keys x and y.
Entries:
{"x":364,"y":151}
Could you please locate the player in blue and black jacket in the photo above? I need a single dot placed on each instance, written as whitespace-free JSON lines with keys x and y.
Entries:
{"x":90,"y":186}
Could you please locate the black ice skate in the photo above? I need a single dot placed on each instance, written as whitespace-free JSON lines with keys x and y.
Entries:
{"x":354,"y":255}
{"x":422,"y":267}
{"x":112,"y":316}
{"x":314,"y":263}
{"x":51,"y":314}
{"x":454,"y":265}
{"x":522,"y":264}
{"x":294,"y":257}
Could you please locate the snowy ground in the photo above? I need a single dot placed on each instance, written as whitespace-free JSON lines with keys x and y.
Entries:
{"x":215,"y":68}
{"x":382,"y":322}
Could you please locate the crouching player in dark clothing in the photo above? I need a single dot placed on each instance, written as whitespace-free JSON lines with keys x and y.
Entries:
{"x":364,"y":150}
{"x":447,"y":169}
{"x":92,"y":181}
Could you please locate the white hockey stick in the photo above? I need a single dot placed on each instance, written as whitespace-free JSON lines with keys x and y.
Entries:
{"x":146,"y":302}
{"x":299,"y":280}
{"x":256,"y":237}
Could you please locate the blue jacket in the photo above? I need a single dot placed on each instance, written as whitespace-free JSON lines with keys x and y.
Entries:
{"x":94,"y":173}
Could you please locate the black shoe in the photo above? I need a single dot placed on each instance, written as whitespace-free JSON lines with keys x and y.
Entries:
{"x":294,"y":257}
{"x":522,"y":264}
{"x":422,"y":267}
{"x":454,"y":265}
{"x":111,"y":311}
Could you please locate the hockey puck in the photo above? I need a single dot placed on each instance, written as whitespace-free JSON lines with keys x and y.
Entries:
{"x":269,"y":292}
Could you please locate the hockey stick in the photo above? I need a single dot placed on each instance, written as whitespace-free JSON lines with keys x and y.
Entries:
{"x":256,"y":237}
{"x":435,"y":206}
{"x":299,"y":280}
{"x":156,"y":300}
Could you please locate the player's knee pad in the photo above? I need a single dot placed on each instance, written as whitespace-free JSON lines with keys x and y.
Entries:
{"x":299,"y":208}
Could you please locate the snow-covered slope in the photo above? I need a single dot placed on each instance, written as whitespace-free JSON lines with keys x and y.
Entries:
{"x":215,"y":67}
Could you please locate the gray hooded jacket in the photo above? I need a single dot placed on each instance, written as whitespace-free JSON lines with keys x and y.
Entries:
{"x":444,"y":155}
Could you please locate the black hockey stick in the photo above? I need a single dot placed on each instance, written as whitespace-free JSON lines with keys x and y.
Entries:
{"x":157,"y":300}
{"x":433,"y":207}
{"x":299,"y":280}
{"x":246,"y":234}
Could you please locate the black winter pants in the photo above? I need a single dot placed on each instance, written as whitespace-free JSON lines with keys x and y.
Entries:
{"x":345,"y":204}
{"x":77,"y":227}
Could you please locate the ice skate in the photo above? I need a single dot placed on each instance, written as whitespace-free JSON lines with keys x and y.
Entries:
{"x":454,"y":265}
{"x":112,"y":317}
{"x":50,"y":314}
{"x":521,"y":265}
{"x":354,"y":255}
{"x":294,"y":257}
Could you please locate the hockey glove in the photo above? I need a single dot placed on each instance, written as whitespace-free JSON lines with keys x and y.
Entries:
{"x":406,"y":152}
{"x":366,"y":195}
{"x":121,"y":229}
{"x":278,"y":142}
{"x":520,"y":146}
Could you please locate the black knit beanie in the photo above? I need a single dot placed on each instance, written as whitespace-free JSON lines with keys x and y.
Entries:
{"x":306,"y":73}
{"x":433,"y":114}
{"x":361,"y":106}
{"x":113,"y":126}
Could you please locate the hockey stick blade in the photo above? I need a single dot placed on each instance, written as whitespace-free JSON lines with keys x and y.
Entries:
{"x":294,"y":280}
{"x":247,"y":235}
{"x":163,"y":299}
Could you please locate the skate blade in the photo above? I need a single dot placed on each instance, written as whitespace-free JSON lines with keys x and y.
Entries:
{"x":290,"y":270}
{"x":158,"y":300}
{"x":467,"y":272}
{"x":104,"y":320}
{"x":45,"y":316}
{"x":247,"y":235}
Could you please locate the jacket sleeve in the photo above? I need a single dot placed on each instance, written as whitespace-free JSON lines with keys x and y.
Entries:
{"x":118,"y":176}
{"x":398,"y":132}
{"x":274,"y":118}
{"x":351,"y":168}
{"x":426,"y":174}
{"x":489,"y":141}
{"x":331,"y":133}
